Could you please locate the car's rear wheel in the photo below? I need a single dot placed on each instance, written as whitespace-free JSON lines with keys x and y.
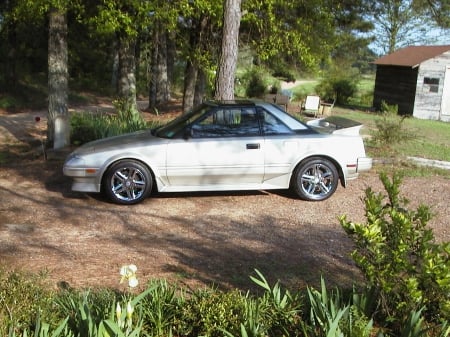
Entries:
{"x":127,"y":182}
{"x":315,"y":179}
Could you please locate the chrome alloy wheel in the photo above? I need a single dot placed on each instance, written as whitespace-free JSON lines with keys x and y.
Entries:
{"x":128,"y":182}
{"x":316,"y":179}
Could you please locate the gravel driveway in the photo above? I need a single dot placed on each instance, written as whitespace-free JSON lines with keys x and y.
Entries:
{"x":190,"y":238}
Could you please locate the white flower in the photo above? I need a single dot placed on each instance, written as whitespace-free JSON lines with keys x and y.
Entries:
{"x":128,"y":273}
{"x":133,"y":281}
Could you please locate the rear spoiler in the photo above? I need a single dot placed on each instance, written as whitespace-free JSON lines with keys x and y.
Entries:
{"x":336,"y":125}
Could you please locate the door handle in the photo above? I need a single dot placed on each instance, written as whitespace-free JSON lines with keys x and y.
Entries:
{"x":253,"y":146}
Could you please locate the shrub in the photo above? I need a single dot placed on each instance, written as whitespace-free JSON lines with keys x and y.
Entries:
{"x":86,"y":127}
{"x":399,"y":258}
{"x":255,"y":83}
{"x":161,"y":308}
{"x":332,"y":314}
{"x":279,"y":310}
{"x":389,"y":129}
{"x":23,"y":299}
{"x":340,"y":87}
{"x":211,"y":312}
{"x":85,"y":310}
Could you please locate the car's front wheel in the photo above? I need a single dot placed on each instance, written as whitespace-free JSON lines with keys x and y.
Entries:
{"x":315,"y":179}
{"x":127,"y":182}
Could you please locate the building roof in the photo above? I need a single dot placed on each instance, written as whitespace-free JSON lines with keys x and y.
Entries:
{"x":412,"y":56}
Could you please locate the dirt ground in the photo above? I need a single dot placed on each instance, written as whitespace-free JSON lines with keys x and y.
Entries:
{"x":194,"y":239}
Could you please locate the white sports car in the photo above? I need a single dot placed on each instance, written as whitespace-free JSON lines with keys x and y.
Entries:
{"x":238,"y":145}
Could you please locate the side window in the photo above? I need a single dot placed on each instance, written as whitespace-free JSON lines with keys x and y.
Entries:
{"x":227,"y":122}
{"x":273,"y":126}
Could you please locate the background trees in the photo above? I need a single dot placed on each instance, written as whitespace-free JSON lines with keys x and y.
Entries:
{"x":155,"y":48}
{"x":399,"y":23}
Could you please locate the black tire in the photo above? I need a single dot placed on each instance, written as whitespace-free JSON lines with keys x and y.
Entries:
{"x":315,"y":179}
{"x":127,"y":182}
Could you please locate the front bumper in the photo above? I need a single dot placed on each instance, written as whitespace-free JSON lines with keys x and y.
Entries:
{"x":84,"y":179}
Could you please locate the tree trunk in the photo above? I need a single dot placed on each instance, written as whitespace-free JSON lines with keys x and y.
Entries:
{"x":159,"y":80}
{"x":200,"y":87}
{"x":58,"y":130}
{"x":127,"y":80}
{"x":229,"y":52}
{"x":190,"y":79}
{"x":115,"y":67}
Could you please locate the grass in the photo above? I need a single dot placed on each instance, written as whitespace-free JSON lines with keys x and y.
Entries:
{"x":431,"y":141}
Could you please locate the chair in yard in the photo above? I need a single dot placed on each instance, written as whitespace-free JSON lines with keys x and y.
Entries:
{"x":279,"y":99}
{"x":311,"y":105}
{"x":327,"y":106}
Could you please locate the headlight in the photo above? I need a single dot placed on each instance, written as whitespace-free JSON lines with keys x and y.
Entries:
{"x":74,"y":160}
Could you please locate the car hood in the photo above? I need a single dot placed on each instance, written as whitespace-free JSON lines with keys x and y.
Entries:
{"x":336,"y":125}
{"x":126,"y":140}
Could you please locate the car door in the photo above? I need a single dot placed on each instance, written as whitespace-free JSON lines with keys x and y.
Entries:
{"x":225,"y":149}
{"x":283,"y":146}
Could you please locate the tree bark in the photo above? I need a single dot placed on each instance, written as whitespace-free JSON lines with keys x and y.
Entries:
{"x":229,"y":52}
{"x":58,"y":130}
{"x":159,"y":79}
{"x":200,"y":87}
{"x":198,"y":44}
{"x":190,"y":79}
{"x":127,"y":80}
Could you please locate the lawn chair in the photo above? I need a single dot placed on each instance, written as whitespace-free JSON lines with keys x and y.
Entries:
{"x":311,"y":105}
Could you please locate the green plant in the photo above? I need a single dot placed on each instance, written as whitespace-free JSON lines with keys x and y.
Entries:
{"x":89,"y":126}
{"x":389,"y":129}
{"x":210,"y":312}
{"x":42,"y":329}
{"x":85,"y":310}
{"x":23,"y":298}
{"x":331,"y":314}
{"x":161,"y":307}
{"x":280,"y":310}
{"x":255,"y":83}
{"x":127,"y":118}
{"x":398,"y":256}
{"x":339,"y":86}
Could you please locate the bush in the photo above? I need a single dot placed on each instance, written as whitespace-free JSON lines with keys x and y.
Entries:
{"x":389,"y":129}
{"x":255,"y":84}
{"x":162,"y":308}
{"x":337,"y":86}
{"x":86,"y":127}
{"x":399,"y":258}
{"x":23,"y":299}
{"x":211,"y":312}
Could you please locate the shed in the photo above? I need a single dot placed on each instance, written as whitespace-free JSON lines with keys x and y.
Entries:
{"x":417,"y":79}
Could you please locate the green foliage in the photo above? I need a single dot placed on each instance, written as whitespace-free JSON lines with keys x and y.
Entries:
{"x":398,"y":256}
{"x":23,"y":298}
{"x":332,"y":315}
{"x":161,"y":308}
{"x":85,"y":310}
{"x":8,"y":102}
{"x":338,"y":85}
{"x":165,"y":310}
{"x":86,"y":127}
{"x":209,"y":313}
{"x":280,"y":311}
{"x":254,"y":83}
{"x":389,"y":129}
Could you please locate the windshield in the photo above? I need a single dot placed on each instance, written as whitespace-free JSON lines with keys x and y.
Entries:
{"x":172,"y":128}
